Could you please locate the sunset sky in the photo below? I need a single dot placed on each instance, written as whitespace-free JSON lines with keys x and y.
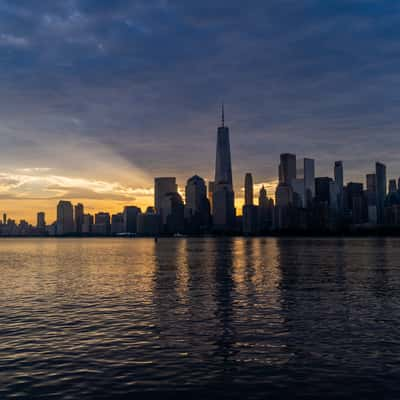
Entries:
{"x":98,"y":97}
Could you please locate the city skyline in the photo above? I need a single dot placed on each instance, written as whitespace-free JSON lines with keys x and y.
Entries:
{"x":114,"y":207}
{"x":97,"y":100}
{"x":302,"y":202}
{"x":144,"y":197}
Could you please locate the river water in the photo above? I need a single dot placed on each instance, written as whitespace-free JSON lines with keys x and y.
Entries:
{"x":198,"y":318}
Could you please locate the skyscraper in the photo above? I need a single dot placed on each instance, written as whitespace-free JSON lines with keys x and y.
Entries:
{"x":380,"y":170}
{"x":65,"y":218}
{"x":370,"y":195}
{"x":263,"y":198}
{"x":148,"y":223}
{"x":299,"y":197}
{"x":197,"y":209}
{"x":117,"y":223}
{"x":371,"y":183}
{"x":102,"y":224}
{"x":79,"y":211}
{"x":339,"y":182}
{"x":195,"y":194}
{"x":223,"y":198}
{"x":250,"y":211}
{"x":264,"y":211}
{"x":392,"y":186}
{"x":130,"y":215}
{"x":287,"y":168}
{"x":223,"y":167}
{"x":284,"y":195}
{"x":41,"y":221}
{"x":173,"y":209}
{"x":87,"y":223}
{"x":333,"y":195}
{"x":322,"y":190}
{"x":248,"y":190}
{"x":355,"y":202}
{"x":250,"y":220}
{"x":309,"y":181}
{"x":162,"y":186}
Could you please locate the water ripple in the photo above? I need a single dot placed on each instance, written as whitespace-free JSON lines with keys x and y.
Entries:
{"x":84,"y":319}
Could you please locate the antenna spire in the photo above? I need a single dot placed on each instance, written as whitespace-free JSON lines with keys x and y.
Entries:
{"x":223,"y":115}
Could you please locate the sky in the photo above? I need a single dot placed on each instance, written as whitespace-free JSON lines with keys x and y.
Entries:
{"x":99,"y":96}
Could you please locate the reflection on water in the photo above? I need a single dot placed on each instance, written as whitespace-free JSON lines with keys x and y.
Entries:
{"x":284,"y":317}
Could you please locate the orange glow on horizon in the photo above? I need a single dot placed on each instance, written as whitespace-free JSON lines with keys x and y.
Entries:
{"x":27,"y":209}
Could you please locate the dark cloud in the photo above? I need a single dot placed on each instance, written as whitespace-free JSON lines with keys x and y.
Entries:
{"x":146,"y":78}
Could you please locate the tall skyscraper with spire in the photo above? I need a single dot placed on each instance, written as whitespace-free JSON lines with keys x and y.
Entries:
{"x":223,"y":196}
{"x":223,"y":167}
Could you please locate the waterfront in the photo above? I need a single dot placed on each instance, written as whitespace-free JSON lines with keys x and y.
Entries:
{"x":95,"y":318}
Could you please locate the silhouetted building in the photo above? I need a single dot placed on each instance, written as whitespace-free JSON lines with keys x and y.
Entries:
{"x":371,"y":183}
{"x":265,"y":211}
{"x":309,"y":181}
{"x":79,"y":211}
{"x":352,"y":190}
{"x":249,"y":211}
{"x":173,"y":213}
{"x":338,"y":172}
{"x":51,"y":229}
{"x":359,"y":210}
{"x":223,"y":198}
{"x":148,"y":223}
{"x":65,"y":218}
{"x":333,"y":196}
{"x":162,"y":186}
{"x":197,"y":209}
{"x":380,"y":170}
{"x":87,"y":224}
{"x":370,"y":197}
{"x":102,"y":224}
{"x":392,"y":198}
{"x":356,"y":203}
{"x":284,"y":195}
{"x":392,"y":215}
{"x":130,"y":216}
{"x":263,"y":198}
{"x":323,"y":190}
{"x":287,"y":168}
{"x":282,"y":217}
{"x":392,"y":186}
{"x":250,"y":220}
{"x":299,"y":198}
{"x":41,"y":222}
{"x":117,"y":223}
{"x":248,"y":190}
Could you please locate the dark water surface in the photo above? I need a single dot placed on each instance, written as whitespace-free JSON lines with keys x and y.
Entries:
{"x":234,"y":318}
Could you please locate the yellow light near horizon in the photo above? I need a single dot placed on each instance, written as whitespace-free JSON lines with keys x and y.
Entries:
{"x":27,"y":209}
